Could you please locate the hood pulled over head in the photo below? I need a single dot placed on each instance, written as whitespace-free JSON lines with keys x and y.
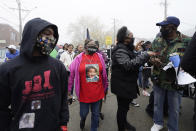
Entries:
{"x":30,"y":34}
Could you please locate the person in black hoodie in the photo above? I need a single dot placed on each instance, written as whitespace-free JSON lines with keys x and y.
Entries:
{"x":189,"y":59}
{"x":33,"y":86}
{"x":125,"y":67}
{"x":188,"y":64}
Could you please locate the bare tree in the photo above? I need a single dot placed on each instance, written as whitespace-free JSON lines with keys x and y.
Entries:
{"x":97,"y":30}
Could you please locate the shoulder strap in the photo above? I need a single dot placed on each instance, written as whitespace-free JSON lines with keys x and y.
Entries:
{"x":178,"y":70}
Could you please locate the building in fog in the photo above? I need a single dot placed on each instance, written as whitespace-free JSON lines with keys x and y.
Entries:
{"x":8,"y":35}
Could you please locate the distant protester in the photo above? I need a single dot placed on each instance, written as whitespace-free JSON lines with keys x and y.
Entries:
{"x":12,"y":52}
{"x":102,"y":53}
{"x":60,"y":52}
{"x":146,"y":70}
{"x":67,"y":56}
{"x":65,"y":46}
{"x":79,"y":49}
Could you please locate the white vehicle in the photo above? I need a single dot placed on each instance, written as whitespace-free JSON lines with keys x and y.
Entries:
{"x":2,"y":54}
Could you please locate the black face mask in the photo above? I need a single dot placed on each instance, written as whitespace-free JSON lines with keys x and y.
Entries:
{"x":165,"y":32}
{"x":12,"y":51}
{"x":131,"y":46}
{"x":91,"y":50}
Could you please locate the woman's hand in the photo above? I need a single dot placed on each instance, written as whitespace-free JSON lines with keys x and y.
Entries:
{"x":150,"y":53}
{"x":138,"y":46}
{"x":155,"y":61}
{"x":69,"y":98}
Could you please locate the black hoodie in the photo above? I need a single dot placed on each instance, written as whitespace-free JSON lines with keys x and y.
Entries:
{"x":35,"y":87}
{"x":189,"y":59}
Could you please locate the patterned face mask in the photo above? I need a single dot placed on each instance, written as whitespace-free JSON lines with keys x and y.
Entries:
{"x":46,"y":44}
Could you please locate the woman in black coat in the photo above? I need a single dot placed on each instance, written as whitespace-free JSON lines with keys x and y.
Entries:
{"x":125,"y":67}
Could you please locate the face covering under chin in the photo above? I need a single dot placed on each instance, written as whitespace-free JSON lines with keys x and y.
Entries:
{"x":165,"y":32}
{"x":46,"y":44}
{"x":91,"y":50}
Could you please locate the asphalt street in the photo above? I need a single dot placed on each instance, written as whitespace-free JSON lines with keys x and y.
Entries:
{"x":136,"y":116}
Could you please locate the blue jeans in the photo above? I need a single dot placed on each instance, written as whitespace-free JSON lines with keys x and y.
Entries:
{"x":145,"y":81}
{"x":140,"y":79}
{"x":84,"y":110}
{"x":174,"y":99}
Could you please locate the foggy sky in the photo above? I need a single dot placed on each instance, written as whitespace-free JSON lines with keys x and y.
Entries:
{"x":140,"y":16}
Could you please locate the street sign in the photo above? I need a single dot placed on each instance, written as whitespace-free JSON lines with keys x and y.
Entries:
{"x":108,"y":40}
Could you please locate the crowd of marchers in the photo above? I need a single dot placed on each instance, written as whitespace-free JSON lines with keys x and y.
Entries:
{"x":37,"y":82}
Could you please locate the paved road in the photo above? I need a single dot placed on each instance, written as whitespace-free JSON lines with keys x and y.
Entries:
{"x":136,"y":116}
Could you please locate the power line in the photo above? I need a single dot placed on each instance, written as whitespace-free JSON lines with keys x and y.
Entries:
{"x":7,"y":10}
{"x":28,"y":13}
{"x":8,"y":21}
{"x":19,"y":9}
{"x":5,"y":5}
{"x":20,"y":15}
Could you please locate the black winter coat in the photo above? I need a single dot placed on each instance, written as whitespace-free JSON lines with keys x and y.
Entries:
{"x":189,"y":59}
{"x":125,"y":67}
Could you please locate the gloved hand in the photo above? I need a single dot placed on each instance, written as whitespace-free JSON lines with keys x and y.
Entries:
{"x":64,"y":128}
{"x":175,"y":59}
{"x":70,"y":98}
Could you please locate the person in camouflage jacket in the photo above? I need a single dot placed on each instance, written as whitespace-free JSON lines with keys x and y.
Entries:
{"x":164,"y":48}
{"x":168,"y":42}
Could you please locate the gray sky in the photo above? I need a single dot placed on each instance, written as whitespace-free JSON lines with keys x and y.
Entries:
{"x":140,"y":16}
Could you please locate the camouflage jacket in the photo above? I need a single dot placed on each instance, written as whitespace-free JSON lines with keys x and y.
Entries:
{"x":166,"y":79}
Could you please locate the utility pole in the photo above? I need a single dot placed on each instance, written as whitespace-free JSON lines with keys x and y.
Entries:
{"x":114,"y":31}
{"x":20,"y":18}
{"x":165,"y":12}
{"x":165,"y":4}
